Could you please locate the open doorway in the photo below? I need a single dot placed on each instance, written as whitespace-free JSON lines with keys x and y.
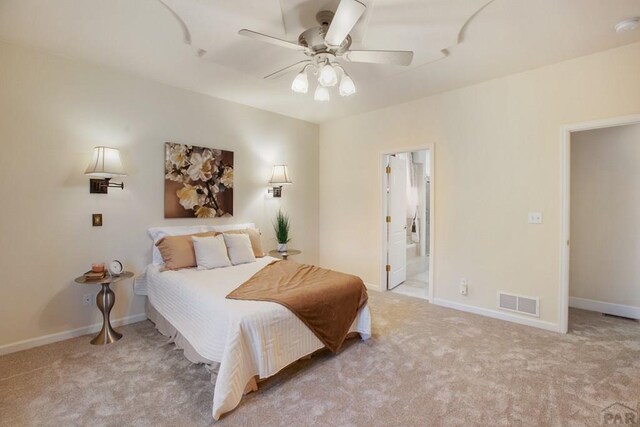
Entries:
{"x":601,"y":207}
{"x":407,"y":222}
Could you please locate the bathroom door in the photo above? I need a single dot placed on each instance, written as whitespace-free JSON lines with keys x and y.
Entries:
{"x":396,"y":221}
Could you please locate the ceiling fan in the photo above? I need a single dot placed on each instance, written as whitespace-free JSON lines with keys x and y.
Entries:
{"x":326,"y":43}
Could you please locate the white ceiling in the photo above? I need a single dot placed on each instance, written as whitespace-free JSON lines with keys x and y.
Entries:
{"x":164,"y":40}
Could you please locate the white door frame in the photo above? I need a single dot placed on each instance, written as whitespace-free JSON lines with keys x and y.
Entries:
{"x":566,"y":204}
{"x":383,"y":219}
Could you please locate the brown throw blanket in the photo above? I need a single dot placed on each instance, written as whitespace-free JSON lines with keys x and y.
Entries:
{"x":325,"y":300}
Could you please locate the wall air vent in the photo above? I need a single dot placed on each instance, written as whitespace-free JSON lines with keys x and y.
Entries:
{"x":519,"y":304}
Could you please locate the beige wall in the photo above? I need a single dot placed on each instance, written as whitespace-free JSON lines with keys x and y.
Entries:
{"x":497,"y":157}
{"x":605,"y":215}
{"x":52,"y":112}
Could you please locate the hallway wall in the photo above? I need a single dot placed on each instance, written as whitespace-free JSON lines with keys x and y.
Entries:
{"x":605,"y":215}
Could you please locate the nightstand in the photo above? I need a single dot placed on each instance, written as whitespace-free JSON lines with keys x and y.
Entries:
{"x":105,"y":300}
{"x":284,"y":255}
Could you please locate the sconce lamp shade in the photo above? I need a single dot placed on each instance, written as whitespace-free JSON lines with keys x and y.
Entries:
{"x":105,"y":163}
{"x":280,"y":176}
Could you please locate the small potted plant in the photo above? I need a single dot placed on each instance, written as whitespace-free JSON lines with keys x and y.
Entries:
{"x":281,"y":227}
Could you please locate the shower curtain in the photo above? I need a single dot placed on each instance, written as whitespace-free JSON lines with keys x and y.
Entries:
{"x":412,"y":195}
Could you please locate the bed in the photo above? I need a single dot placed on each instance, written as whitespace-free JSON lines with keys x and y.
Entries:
{"x":243,"y":340}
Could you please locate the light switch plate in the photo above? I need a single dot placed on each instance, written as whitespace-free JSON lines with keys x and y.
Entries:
{"x":535,"y":217}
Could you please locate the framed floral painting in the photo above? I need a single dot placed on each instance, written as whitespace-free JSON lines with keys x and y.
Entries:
{"x":198,"y":182}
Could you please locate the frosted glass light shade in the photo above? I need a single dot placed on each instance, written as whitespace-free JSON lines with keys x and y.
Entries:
{"x":321,"y":94}
{"x":105,"y":163}
{"x":328,"y":76}
{"x":280,"y":175}
{"x":300,"y":83}
{"x":347,"y":87}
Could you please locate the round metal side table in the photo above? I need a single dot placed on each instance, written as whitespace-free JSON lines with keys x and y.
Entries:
{"x":105,"y":300}
{"x":284,"y":255}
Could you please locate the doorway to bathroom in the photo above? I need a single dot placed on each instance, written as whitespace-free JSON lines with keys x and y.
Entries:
{"x":408,"y":222}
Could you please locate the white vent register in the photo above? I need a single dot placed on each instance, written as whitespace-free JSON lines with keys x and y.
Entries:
{"x":519,"y":304}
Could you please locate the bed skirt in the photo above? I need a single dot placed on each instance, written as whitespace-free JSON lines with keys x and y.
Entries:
{"x":165,"y":328}
{"x":168,"y":330}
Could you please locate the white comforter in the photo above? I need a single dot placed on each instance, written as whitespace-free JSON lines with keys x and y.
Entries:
{"x":247,"y":338}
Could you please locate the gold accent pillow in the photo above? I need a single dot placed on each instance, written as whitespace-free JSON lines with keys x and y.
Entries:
{"x":178,"y":252}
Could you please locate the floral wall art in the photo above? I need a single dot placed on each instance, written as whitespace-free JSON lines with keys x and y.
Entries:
{"x":198,"y":182}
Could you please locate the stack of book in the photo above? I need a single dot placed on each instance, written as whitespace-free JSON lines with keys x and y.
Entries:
{"x":90,"y":275}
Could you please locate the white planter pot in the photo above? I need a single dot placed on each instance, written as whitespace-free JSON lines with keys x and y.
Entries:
{"x":282,"y":247}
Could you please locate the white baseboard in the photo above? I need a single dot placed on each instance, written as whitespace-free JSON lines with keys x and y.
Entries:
{"x":65,"y":335}
{"x":605,"y":307}
{"x":509,"y":317}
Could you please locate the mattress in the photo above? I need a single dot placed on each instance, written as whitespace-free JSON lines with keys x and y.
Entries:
{"x":247,"y":338}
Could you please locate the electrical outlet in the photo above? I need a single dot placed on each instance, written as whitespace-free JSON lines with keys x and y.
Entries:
{"x":87,"y":299}
{"x":535,"y":217}
{"x":464,"y":287}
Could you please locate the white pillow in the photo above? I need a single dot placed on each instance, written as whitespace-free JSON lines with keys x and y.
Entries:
{"x":239,"y":248}
{"x":211,"y":252}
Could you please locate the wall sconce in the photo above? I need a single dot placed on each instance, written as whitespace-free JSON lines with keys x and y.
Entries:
{"x":279,"y":177}
{"x":105,"y":164}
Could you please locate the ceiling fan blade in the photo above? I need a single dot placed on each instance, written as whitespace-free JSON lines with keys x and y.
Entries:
{"x":272,"y":40}
{"x":347,"y":14}
{"x":393,"y":57}
{"x":285,"y":70}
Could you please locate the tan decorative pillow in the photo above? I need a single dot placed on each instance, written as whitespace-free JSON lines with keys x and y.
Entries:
{"x":254,"y":236}
{"x":178,"y":252}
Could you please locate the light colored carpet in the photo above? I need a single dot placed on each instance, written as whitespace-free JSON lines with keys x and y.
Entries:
{"x":425,"y":365}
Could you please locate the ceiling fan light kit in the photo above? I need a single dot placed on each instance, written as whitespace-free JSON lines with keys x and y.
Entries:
{"x":324,"y":44}
{"x":347,"y":87}
{"x":301,"y":83}
{"x":328,"y":76}
{"x":321,"y":94}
